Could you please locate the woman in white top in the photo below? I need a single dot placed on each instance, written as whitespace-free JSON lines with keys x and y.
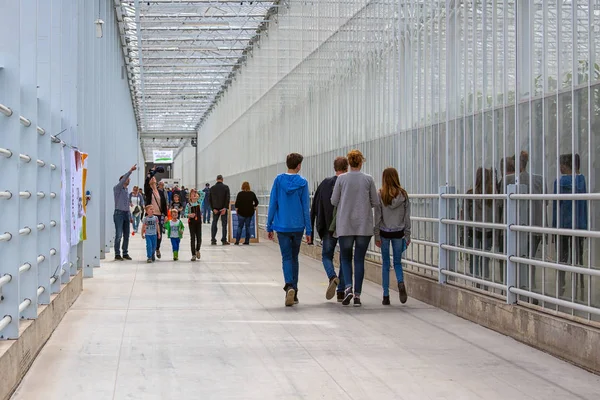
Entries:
{"x":354,"y":195}
{"x":136,"y":203}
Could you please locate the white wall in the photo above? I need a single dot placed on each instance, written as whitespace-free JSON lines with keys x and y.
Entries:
{"x":184,"y":167}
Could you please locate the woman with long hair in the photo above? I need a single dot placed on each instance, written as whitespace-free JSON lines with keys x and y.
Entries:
{"x":245,"y":206}
{"x":193,"y":212}
{"x":392,"y":228}
{"x":354,"y":195}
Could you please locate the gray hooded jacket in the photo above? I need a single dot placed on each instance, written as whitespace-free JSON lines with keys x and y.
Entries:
{"x":393,"y":218}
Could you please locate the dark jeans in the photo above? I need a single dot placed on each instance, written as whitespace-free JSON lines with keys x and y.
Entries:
{"x":213,"y":237}
{"x":484,"y":243}
{"x":243,"y":222}
{"x":328,"y":243}
{"x":576,"y":256}
{"x":161,"y":226}
{"x":206,"y":215}
{"x":195,"y":235}
{"x":289,"y":244}
{"x":524,"y":268}
{"x":360,"y":251}
{"x":121,"y":219}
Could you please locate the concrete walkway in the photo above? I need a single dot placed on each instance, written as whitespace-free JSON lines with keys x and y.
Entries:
{"x":217,"y":329}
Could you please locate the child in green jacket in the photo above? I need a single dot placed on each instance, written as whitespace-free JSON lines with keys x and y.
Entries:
{"x":175,"y":232}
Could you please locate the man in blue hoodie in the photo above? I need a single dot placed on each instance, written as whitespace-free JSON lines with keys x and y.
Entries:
{"x":289,"y":216}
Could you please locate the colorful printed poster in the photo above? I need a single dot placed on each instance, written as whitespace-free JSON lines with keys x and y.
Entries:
{"x":76,"y":203}
{"x":64,"y":241}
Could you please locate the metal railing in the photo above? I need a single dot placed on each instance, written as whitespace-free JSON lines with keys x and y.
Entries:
{"x":505,"y":268}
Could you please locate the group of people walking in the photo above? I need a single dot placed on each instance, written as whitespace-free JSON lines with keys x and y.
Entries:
{"x":163,"y":216}
{"x":342,"y":211}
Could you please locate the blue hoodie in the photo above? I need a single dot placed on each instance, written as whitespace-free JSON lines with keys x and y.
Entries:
{"x":289,"y":205}
{"x":565,"y":207}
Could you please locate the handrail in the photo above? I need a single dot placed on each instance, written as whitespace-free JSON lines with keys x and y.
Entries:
{"x":552,"y":300}
{"x":24,"y":268}
{"x":5,"y":110}
{"x":487,"y":225}
{"x":6,"y":278}
{"x":6,"y":195}
{"x":5,"y":237}
{"x":4,"y":322}
{"x":555,"y":196}
{"x":555,"y":231}
{"x":23,"y":306}
{"x":560,"y":267}
{"x":474,"y":252}
{"x":473,"y":279}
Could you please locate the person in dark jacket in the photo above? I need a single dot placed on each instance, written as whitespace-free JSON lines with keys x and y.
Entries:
{"x":156,"y":198}
{"x":219,"y":200}
{"x":245,"y":206}
{"x":206,"y":204}
{"x":322,"y":214}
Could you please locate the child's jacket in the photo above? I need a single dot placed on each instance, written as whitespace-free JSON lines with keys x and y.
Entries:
{"x":174,"y":229}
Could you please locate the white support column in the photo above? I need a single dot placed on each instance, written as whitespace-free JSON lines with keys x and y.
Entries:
{"x":511,"y":244}
{"x":44,"y":79}
{"x":28,"y":215}
{"x":55,"y":148}
{"x":10,"y":93}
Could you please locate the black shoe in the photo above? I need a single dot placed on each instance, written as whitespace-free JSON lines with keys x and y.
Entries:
{"x":290,"y":293}
{"x":333,"y":283}
{"x":246,"y":244}
{"x":348,"y":295}
{"x":157,"y":253}
{"x":340,"y":297}
{"x":226,"y":243}
{"x":357,"y":302}
{"x":118,"y":258}
{"x":153,"y":258}
{"x":213,"y":243}
{"x":402,"y":292}
{"x":386,"y":300}
{"x":237,"y":243}
{"x":296,"y":301}
{"x":127,"y":258}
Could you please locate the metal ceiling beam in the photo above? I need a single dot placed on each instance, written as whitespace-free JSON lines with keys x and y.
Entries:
{"x":168,"y":134}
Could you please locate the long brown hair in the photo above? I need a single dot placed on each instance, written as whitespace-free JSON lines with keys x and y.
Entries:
{"x":489,"y":184}
{"x":391,"y":186}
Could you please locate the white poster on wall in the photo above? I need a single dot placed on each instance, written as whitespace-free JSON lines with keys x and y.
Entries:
{"x":163,"y":156}
{"x":64,"y":241}
{"x":76,"y":204}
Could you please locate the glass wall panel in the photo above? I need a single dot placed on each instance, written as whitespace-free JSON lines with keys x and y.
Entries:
{"x":476,"y":95}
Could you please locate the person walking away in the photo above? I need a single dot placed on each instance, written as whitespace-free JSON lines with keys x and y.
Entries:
{"x":192,"y":213}
{"x":289,"y":216}
{"x":321,"y":213}
{"x":175,"y":230}
{"x":136,"y":202}
{"x":354,"y":195}
{"x":122,"y":216}
{"x":219,"y":200}
{"x":392,"y":229}
{"x":570,"y":214}
{"x":150,"y":232}
{"x":206,"y":209}
{"x":245,"y":206}
{"x":157,"y":199}
{"x":482,"y":211}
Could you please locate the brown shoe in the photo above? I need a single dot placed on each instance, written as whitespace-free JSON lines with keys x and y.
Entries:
{"x":333,"y":283}
{"x":226,"y":243}
{"x":402,"y":292}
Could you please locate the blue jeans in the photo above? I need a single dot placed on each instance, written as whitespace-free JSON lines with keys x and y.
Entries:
{"x":214,"y":228}
{"x":150,"y":245}
{"x":289,"y":243}
{"x":243,"y":222}
{"x":136,"y":222}
{"x":346,"y":244}
{"x":122,"y":220}
{"x":398,"y":246}
{"x":475,"y":267}
{"x":329,"y":242}
{"x":206,"y":215}
{"x":175,"y":243}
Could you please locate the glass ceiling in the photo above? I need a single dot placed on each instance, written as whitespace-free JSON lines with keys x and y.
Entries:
{"x":180,"y":56}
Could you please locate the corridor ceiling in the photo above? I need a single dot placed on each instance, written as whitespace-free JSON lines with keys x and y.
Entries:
{"x":180,"y":56}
